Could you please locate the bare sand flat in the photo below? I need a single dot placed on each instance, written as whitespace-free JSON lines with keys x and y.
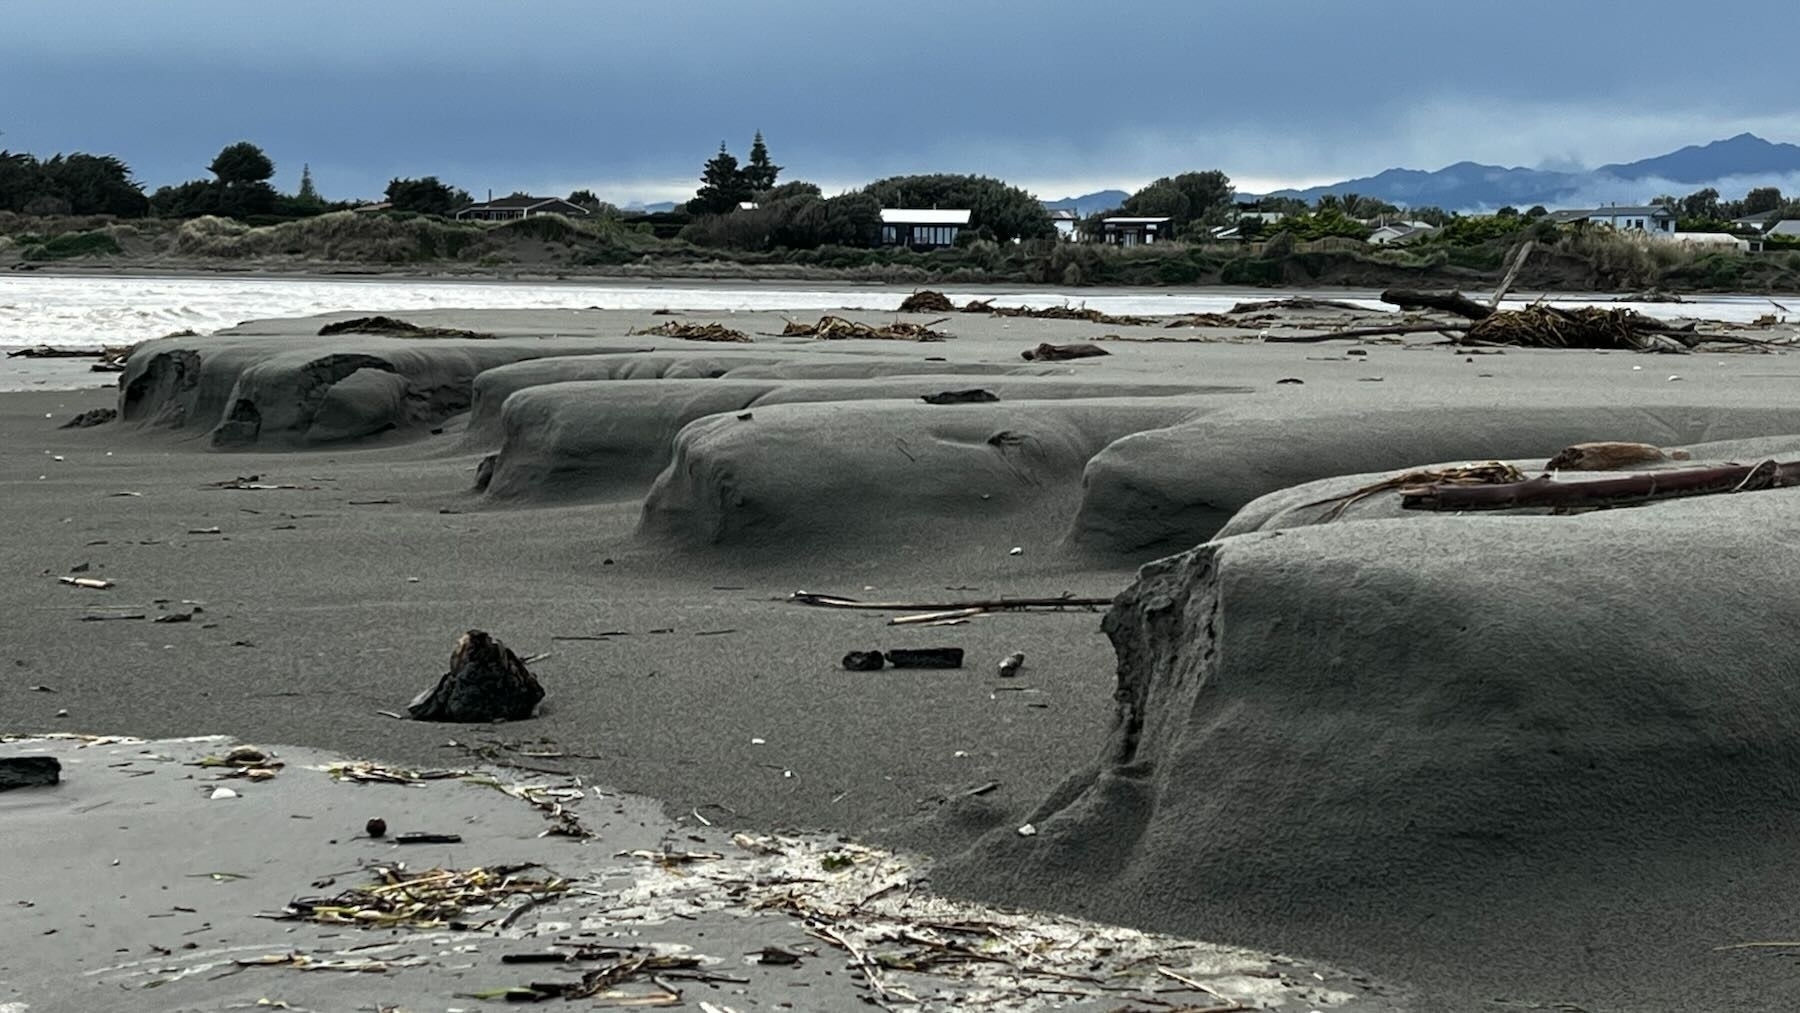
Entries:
{"x":648,"y":537}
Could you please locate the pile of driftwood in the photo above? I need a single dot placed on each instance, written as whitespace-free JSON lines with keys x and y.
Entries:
{"x":1083,"y":313}
{"x":833,"y":328}
{"x":696,"y":332}
{"x":393,"y":328}
{"x":1535,"y":326}
{"x":927,"y":301}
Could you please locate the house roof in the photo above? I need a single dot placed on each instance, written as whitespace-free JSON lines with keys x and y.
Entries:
{"x":1791,"y":227}
{"x":923,"y":216}
{"x":1064,"y":215}
{"x":521,"y":204}
{"x":1759,"y":218}
{"x":1135,"y":221}
{"x":1619,"y":211}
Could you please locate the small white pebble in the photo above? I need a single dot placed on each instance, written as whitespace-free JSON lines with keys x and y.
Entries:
{"x":412,"y":580}
{"x":1028,"y":831}
{"x":1016,"y":551}
{"x":759,"y":742}
{"x":58,"y":457}
{"x":961,"y":753}
{"x":1673,"y":377}
{"x":222,"y":793}
{"x":63,"y":713}
{"x":1637,"y":369}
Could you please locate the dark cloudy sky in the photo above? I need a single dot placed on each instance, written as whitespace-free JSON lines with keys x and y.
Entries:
{"x":1061,"y":96}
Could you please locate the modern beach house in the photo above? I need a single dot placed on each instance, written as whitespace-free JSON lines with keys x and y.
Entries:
{"x":922,"y":228}
{"x":1650,"y":218}
{"x":506,"y":209}
{"x":1129,"y":231}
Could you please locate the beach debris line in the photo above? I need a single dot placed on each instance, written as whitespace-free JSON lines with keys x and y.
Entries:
{"x":1047,"y":352}
{"x":1542,"y":326}
{"x":836,"y":328}
{"x":918,"y":951}
{"x":1063,"y":312}
{"x":486,"y":682}
{"x":369,"y":772}
{"x":696,"y":332}
{"x":427,"y":899}
{"x":1546,"y":491}
{"x":394,"y":328}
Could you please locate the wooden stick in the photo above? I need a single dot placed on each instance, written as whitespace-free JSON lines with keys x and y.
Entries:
{"x":1506,"y":283}
{"x":838,"y":602}
{"x":1624,"y":490}
{"x":1361,"y":332}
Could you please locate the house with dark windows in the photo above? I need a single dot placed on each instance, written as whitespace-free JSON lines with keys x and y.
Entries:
{"x":922,"y":228}
{"x":1135,"y":231}
{"x":506,"y":209}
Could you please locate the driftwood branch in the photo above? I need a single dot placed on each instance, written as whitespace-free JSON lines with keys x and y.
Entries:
{"x":1512,"y":274}
{"x":1362,"y":332}
{"x":993,"y":605}
{"x":1597,"y":494}
{"x":1444,"y":302}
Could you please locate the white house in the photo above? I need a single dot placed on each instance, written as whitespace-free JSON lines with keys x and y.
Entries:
{"x":1067,"y":223}
{"x":1400,"y":232}
{"x":1135,"y":231}
{"x":509,"y":208}
{"x":1647,"y":218}
{"x":922,"y":228}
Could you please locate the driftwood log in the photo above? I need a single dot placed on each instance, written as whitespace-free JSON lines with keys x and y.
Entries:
{"x":486,"y":682}
{"x":1047,"y":352}
{"x":29,"y":771}
{"x":1444,"y":302}
{"x":1600,"y":494}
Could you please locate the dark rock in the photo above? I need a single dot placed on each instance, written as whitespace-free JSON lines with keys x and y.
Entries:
{"x":93,"y":417}
{"x":864,"y":661}
{"x":1047,"y":352}
{"x":29,"y":771}
{"x":486,"y":682}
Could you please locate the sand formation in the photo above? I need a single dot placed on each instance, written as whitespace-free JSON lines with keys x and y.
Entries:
{"x":1378,"y":736}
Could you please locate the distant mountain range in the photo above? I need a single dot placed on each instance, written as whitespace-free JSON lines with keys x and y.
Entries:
{"x":1732,"y":166}
{"x":1088,"y":203}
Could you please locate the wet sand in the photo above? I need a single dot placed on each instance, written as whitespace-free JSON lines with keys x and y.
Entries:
{"x":677,"y":668}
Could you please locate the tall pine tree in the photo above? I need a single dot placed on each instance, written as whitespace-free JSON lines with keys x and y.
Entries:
{"x":759,"y":173}
{"x":722,"y":185}
{"x":308,"y":194}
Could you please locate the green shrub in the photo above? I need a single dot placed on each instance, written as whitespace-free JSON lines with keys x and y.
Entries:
{"x":1178,"y":271}
{"x":73,"y":244}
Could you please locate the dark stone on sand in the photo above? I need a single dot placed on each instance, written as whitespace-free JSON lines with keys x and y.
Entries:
{"x":29,"y":772}
{"x":974,"y":395}
{"x":92,"y":417}
{"x":864,"y":661}
{"x":486,"y":682}
{"x":926,"y":657}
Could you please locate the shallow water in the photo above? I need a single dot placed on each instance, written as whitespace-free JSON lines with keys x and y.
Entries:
{"x":94,"y":310}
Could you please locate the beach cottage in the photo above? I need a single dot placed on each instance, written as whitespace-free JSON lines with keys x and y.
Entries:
{"x":1651,"y":219}
{"x":922,"y":228}
{"x":506,"y":209}
{"x":1130,"y":231}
